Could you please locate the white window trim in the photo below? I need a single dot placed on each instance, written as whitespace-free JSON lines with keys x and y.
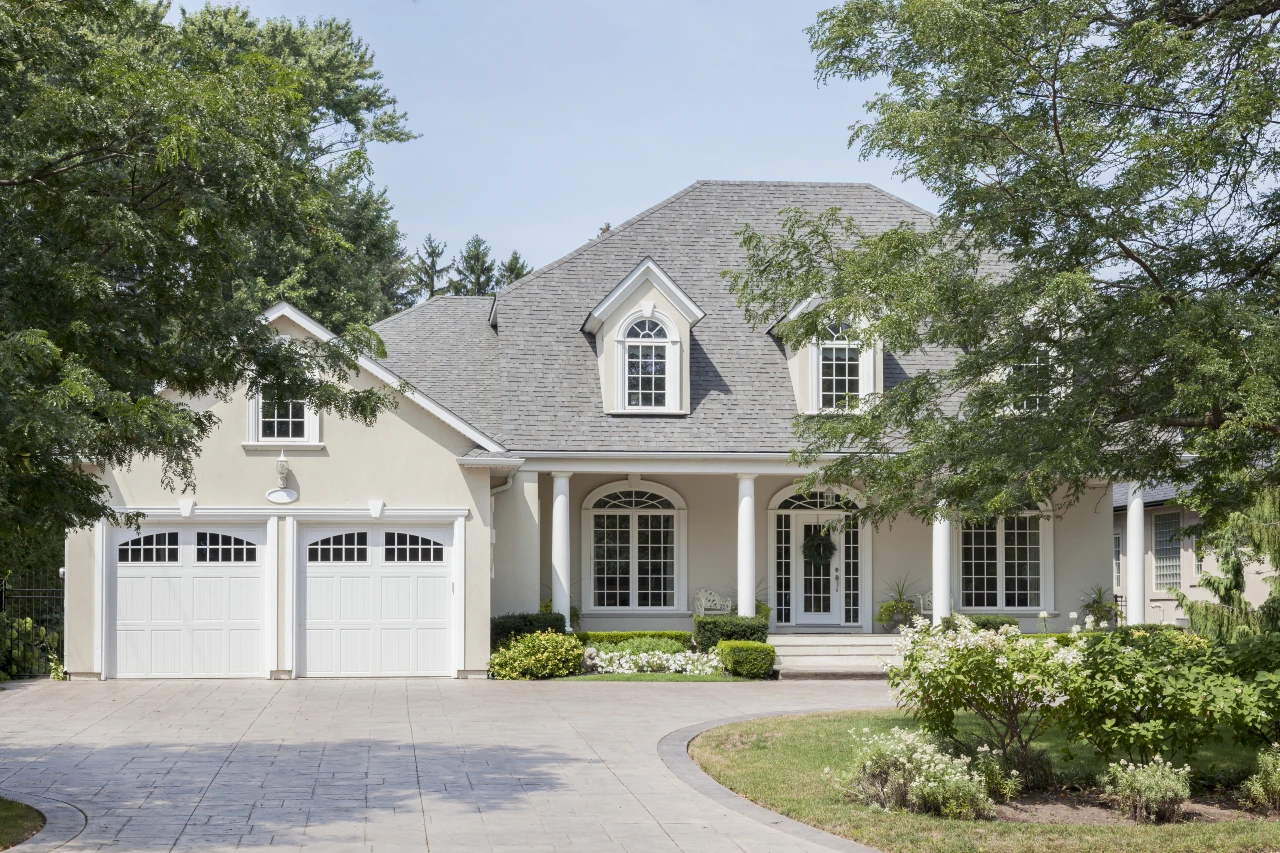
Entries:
{"x":870,"y":376}
{"x":254,"y":439}
{"x":681,"y":599}
{"x":1046,"y":570}
{"x":1163,"y":591}
{"x":675,"y":364}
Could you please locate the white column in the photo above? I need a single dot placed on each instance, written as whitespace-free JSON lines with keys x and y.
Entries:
{"x":560,"y":544}
{"x":941,"y":569}
{"x":746,"y":544}
{"x":1135,"y":552}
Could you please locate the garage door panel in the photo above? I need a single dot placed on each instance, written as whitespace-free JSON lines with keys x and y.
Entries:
{"x":246,"y":599}
{"x":131,"y":651}
{"x":433,"y":650}
{"x":166,"y":652}
{"x":397,"y":599}
{"x":131,"y":599}
{"x":353,"y":654}
{"x":245,"y":651}
{"x":166,"y":599}
{"x":208,"y":598}
{"x":320,"y":658}
{"x":354,"y":602}
{"x":397,"y":651}
{"x":320,"y":599}
{"x":206,"y":652}
{"x":433,"y":598}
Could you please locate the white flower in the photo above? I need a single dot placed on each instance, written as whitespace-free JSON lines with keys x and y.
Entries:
{"x":1044,"y":614}
{"x":1103,"y":624}
{"x":1072,"y":615}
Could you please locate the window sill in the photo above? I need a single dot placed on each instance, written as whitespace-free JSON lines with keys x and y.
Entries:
{"x":623,"y":611}
{"x":282,"y":445}
{"x":671,"y":413}
{"x":992,"y":611}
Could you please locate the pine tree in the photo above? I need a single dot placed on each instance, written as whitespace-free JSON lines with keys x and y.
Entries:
{"x":513,"y":269}
{"x":474,"y":269}
{"x":427,"y":276}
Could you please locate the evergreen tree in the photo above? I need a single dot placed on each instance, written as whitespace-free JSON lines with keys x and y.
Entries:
{"x":427,"y":276}
{"x":474,"y":269}
{"x":513,"y":269}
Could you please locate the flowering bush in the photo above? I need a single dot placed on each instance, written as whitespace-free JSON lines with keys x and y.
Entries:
{"x":1142,"y":692}
{"x":1011,"y":682}
{"x":1001,"y":783}
{"x":907,"y":770}
{"x":1151,"y":792}
{"x":690,"y":663}
{"x":1261,"y":791}
{"x":546,"y":654}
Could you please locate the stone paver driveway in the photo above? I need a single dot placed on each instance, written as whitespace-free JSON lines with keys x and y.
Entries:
{"x":389,"y":764}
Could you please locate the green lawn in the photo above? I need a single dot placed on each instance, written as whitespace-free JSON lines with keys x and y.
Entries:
{"x":778,"y":762}
{"x":651,"y":676}
{"x":18,"y":822}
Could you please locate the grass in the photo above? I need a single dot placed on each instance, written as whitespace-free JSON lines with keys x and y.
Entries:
{"x":18,"y":822}
{"x":777,"y":762}
{"x":651,"y":676}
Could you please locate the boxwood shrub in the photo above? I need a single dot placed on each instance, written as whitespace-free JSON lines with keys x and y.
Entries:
{"x":709,"y":630}
{"x":746,"y":658}
{"x":503,"y":629}
{"x":546,"y":654}
{"x":983,"y":622}
{"x":593,"y":638}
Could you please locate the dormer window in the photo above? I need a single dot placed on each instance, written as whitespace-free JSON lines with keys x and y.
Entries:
{"x":835,"y":372}
{"x":838,"y":370}
{"x":647,"y":362}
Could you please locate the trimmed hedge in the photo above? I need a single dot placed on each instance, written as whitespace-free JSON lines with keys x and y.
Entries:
{"x":709,"y":630}
{"x":590,"y":638}
{"x":983,"y":622}
{"x":545,"y":654}
{"x":503,"y":629}
{"x":746,"y":658}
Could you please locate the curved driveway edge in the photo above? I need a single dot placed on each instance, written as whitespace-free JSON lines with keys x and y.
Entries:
{"x":674,"y":752}
{"x":63,"y":822}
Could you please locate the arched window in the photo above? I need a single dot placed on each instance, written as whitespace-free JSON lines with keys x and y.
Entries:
{"x":838,"y":361}
{"x":340,"y":548}
{"x":647,"y":365}
{"x":221,"y":548}
{"x":410,"y":548}
{"x":806,"y":592}
{"x":634,"y":542}
{"x":151,"y":548}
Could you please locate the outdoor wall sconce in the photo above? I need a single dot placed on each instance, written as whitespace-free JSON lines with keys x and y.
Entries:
{"x":281,"y":494}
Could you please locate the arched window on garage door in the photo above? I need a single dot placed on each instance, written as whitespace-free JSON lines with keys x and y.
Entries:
{"x":340,"y":548}
{"x":410,"y":548}
{"x":152,"y":548}
{"x":224,"y":548}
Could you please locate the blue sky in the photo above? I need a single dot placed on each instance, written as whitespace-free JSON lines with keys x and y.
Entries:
{"x":539,"y":122}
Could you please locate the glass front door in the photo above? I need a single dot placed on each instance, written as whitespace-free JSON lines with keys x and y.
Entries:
{"x":821,"y":601}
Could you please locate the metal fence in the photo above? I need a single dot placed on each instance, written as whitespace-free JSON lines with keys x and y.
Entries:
{"x":31,"y":626}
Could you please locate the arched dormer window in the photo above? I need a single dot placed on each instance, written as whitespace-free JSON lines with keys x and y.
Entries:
{"x":651,"y":367}
{"x":838,"y":375}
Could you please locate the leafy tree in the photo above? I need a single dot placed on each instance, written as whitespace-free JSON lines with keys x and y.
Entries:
{"x":1103,"y":266}
{"x":427,"y":276}
{"x":141,"y":165}
{"x":513,"y":269}
{"x":474,"y":270}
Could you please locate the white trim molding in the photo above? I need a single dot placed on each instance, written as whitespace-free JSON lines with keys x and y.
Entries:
{"x":646,"y":270}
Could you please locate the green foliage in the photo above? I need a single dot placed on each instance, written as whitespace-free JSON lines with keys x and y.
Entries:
{"x":1099,"y":604}
{"x":596,"y":638}
{"x":1261,"y":791}
{"x":546,"y":654}
{"x":747,"y":658}
{"x":1100,"y":168}
{"x":24,"y":646}
{"x":1255,"y":659}
{"x":763,"y":611}
{"x":512,"y":270}
{"x":575,"y":614}
{"x":895,"y":610}
{"x":709,"y":630}
{"x":1150,"y":793}
{"x":503,"y":629}
{"x":1001,"y":783}
{"x":427,"y":276}
{"x":980,"y":622}
{"x":638,"y":645}
{"x":1144,"y":692}
{"x":145,"y":166}
{"x":474,"y":270}
{"x":819,"y":548}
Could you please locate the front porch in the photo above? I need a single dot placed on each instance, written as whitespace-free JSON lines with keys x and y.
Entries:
{"x":632,"y":550}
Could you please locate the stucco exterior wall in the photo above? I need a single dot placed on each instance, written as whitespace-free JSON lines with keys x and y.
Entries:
{"x":516,"y":562}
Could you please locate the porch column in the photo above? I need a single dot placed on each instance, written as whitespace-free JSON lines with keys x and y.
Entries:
{"x":746,"y":544}
{"x":560,"y":544}
{"x":1135,"y":600}
{"x":941,"y":569}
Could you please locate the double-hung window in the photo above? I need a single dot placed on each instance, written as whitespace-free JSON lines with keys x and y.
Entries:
{"x":838,"y":370}
{"x":1004,"y":563}
{"x":275,"y":420}
{"x":647,"y":368}
{"x":634,"y":542}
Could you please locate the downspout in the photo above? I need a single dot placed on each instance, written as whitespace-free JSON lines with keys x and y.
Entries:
{"x":493,"y":530}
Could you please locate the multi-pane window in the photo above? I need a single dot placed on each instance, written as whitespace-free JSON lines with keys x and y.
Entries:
{"x":633,"y":550}
{"x":782,"y":569}
{"x":223,"y":548}
{"x":282,"y":419}
{"x":340,"y":548}
{"x":838,"y":370}
{"x":410,"y":548}
{"x":152,"y":548}
{"x":851,"y":598}
{"x":647,"y":365}
{"x":1034,"y":376}
{"x":1195,"y":548}
{"x":1168,"y":550}
{"x":1001,"y":564}
{"x":1115,"y":559}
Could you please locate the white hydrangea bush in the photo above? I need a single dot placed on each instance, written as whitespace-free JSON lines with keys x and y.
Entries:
{"x":906,"y":770}
{"x":1010,"y":681}
{"x":689,"y":663}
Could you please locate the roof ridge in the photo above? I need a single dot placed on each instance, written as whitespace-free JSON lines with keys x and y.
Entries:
{"x":596,"y":241}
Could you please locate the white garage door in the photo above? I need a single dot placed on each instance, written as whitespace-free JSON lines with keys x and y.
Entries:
{"x":188,"y":603}
{"x":375,"y":601}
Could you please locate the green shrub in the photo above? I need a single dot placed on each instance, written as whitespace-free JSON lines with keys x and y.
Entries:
{"x":546,"y":654}
{"x":981,"y":622}
{"x":709,"y":630}
{"x":1261,"y":791}
{"x":1150,"y":793}
{"x":595,"y":638}
{"x":503,"y":629}
{"x":640,"y":645}
{"x":747,"y":658}
{"x":763,"y":611}
{"x":24,"y":646}
{"x":1142,"y":692}
{"x":575,"y":613}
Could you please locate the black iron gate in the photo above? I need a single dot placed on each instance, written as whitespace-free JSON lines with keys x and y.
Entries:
{"x":31,"y":627}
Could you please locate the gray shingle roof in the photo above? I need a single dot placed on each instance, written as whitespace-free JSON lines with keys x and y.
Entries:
{"x":1151,"y":496}
{"x":535,"y":383}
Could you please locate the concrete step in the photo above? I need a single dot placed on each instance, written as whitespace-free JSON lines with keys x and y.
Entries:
{"x":887,"y":640}
{"x":836,"y":650}
{"x":796,"y":674}
{"x":835,"y":661}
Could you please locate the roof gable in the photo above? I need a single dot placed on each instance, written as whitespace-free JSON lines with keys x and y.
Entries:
{"x":646,"y":271}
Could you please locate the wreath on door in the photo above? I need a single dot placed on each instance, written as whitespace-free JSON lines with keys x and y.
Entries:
{"x":819,"y":548}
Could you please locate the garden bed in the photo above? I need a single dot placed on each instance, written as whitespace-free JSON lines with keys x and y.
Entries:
{"x":653,"y":676}
{"x":778,"y":763}
{"x":18,"y":822}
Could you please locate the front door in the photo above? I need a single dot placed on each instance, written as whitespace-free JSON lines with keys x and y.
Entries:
{"x":821,"y":600}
